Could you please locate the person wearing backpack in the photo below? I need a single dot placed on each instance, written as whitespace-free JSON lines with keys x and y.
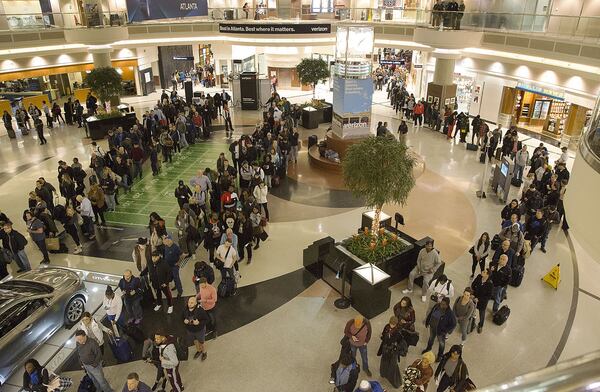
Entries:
{"x":195,"y":319}
{"x":439,"y":288}
{"x":169,"y":360}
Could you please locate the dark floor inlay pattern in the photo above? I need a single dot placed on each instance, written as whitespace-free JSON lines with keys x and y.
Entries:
{"x":249,"y":304}
{"x":298,"y":192}
{"x":5,"y":176}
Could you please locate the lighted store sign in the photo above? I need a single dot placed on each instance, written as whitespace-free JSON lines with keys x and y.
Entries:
{"x":532,"y":88}
{"x":275,"y":28}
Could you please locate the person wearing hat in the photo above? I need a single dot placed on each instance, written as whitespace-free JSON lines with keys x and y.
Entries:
{"x":142,"y":257}
{"x":514,"y":234}
{"x":183,"y":194}
{"x":452,"y":371}
{"x":113,"y":305}
{"x":370,"y":386}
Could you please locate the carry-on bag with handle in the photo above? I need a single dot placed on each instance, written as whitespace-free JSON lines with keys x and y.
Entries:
{"x":501,"y":315}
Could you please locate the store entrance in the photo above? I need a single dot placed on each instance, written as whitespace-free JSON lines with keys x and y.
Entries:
{"x":543,"y":111}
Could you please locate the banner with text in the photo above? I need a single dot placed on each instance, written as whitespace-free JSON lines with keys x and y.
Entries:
{"x":308,"y":28}
{"x":141,"y":10}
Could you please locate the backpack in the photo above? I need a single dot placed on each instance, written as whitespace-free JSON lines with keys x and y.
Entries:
{"x":204,"y":272}
{"x":226,"y":198}
{"x":180,"y":347}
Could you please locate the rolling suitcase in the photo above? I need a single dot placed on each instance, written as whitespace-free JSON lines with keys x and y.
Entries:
{"x":472,"y":147}
{"x":496,"y":242}
{"x":518,"y":271}
{"x":134,"y":332}
{"x":227,"y":287}
{"x":11,"y":133}
{"x":516,"y":181}
{"x":482,"y":157}
{"x":120,"y":347}
{"x":312,"y":140}
{"x":275,"y":181}
{"x":501,"y":315}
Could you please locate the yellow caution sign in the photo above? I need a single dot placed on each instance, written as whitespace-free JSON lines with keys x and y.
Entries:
{"x":553,"y":277}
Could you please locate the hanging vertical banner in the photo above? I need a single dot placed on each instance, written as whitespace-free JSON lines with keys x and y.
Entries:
{"x":140,"y":10}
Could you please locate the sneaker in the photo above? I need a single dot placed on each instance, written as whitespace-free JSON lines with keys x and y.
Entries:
{"x":20,"y":270}
{"x":479,"y":328}
{"x":92,"y":237}
{"x":77,"y":250}
{"x":157,"y":308}
{"x":197,"y":355}
{"x":170,"y":310}
{"x":406,"y":291}
{"x":256,"y":246}
{"x":203,"y":356}
{"x":424,"y":298}
{"x":249,"y":262}
{"x":543,"y":250}
{"x":368,"y":372}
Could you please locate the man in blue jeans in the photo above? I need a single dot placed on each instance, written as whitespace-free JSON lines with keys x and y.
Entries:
{"x":172,"y":257}
{"x":521,"y":159}
{"x":90,"y":357}
{"x":441,"y":321}
{"x":358,"y":331}
{"x":501,"y":274}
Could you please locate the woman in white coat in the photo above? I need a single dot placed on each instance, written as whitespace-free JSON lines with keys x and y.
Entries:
{"x":260,"y":194}
{"x":94,"y":329}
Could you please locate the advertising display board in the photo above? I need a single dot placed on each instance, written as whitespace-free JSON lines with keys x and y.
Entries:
{"x":352,"y":95}
{"x":249,"y":91}
{"x":304,"y":28}
{"x":141,"y":10}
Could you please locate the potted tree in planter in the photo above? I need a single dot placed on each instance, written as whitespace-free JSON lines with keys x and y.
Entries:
{"x":380,"y":171}
{"x":105,"y":83}
{"x":312,"y":71}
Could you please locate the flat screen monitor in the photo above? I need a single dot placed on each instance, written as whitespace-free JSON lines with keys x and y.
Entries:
{"x":504,"y":169}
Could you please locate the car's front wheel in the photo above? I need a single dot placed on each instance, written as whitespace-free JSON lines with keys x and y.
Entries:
{"x":74,"y":310}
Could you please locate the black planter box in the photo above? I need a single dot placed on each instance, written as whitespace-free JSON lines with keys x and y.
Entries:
{"x":311,"y":118}
{"x":98,"y":128}
{"x":327,"y":113}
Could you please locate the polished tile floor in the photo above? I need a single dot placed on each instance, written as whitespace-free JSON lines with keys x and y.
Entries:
{"x":287,"y":341}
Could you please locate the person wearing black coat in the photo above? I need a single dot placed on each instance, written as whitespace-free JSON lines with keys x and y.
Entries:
{"x":344,"y":373}
{"x":501,"y":276}
{"x":440,"y":321}
{"x":15,"y":242}
{"x":183,"y":194}
{"x":456,"y":381}
{"x":509,"y":209}
{"x":160,"y":276}
{"x":482,"y":291}
{"x":392,"y":347}
{"x":35,"y":376}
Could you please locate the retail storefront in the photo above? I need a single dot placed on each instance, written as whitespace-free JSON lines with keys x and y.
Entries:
{"x":543,"y":110}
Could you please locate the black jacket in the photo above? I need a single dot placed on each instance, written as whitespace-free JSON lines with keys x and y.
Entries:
{"x":160,"y":273}
{"x":500,"y":277}
{"x":482,"y":291}
{"x":14,"y":240}
{"x":460,"y":375}
{"x":447,"y":321}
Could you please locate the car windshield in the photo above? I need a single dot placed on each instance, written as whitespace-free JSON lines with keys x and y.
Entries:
{"x":23,"y":287}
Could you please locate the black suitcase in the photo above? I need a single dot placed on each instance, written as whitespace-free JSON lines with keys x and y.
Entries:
{"x":134,"y":332}
{"x":501,"y":315}
{"x":227,"y":287}
{"x":11,"y":133}
{"x":516,"y":182}
{"x":518,"y":271}
{"x":312,"y":140}
{"x":482,"y":157}
{"x":496,"y":242}
{"x":472,"y":147}
{"x":498,"y":154}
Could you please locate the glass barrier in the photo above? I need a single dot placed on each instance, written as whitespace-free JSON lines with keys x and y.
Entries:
{"x":575,"y":27}
{"x":590,"y":141}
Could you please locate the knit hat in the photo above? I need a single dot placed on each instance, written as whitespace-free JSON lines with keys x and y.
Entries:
{"x":142,"y":241}
{"x":364,"y":386}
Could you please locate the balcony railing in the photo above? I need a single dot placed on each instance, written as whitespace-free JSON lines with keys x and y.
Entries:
{"x":583,"y":28}
{"x":589,"y":146}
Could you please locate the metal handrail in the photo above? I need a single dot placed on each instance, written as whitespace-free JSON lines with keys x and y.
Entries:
{"x":581,"y":374}
{"x":581,"y":27}
{"x":589,"y":145}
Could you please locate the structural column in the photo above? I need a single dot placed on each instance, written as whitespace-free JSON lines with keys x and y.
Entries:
{"x":101,"y":56}
{"x":442,"y":91}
